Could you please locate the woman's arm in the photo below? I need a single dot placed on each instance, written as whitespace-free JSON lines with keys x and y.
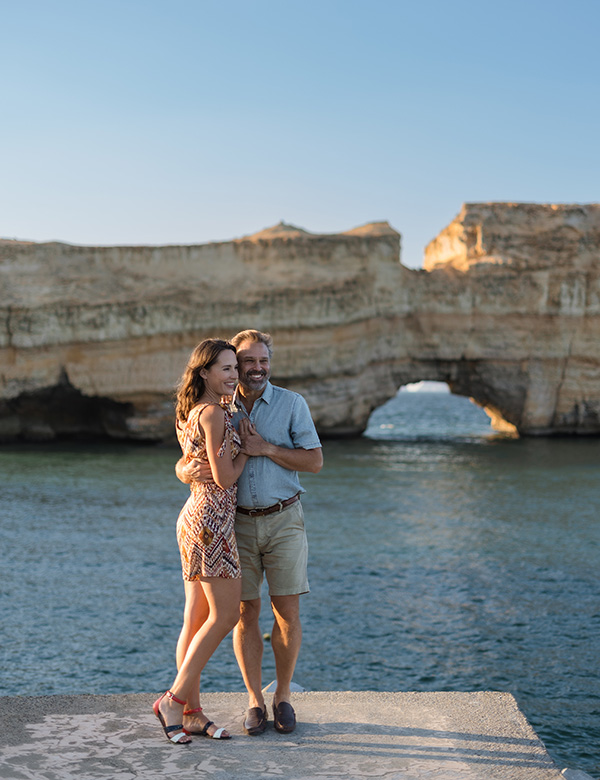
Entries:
{"x":225,"y":470}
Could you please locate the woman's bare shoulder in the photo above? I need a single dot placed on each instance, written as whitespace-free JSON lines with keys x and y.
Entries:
{"x":211,"y":413}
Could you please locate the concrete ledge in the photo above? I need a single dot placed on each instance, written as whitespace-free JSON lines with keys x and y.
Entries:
{"x":340,"y":736}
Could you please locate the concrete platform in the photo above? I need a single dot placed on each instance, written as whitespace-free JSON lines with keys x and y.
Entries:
{"x":340,"y":736}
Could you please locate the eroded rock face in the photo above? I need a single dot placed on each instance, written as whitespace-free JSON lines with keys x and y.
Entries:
{"x":94,"y":339}
{"x":532,"y":272}
{"x":519,"y":236}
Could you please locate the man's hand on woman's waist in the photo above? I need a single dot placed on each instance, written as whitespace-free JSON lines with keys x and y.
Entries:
{"x":195,"y":471}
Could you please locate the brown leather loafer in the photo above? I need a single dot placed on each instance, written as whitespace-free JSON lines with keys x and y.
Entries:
{"x":255,"y":721}
{"x":284,"y":717}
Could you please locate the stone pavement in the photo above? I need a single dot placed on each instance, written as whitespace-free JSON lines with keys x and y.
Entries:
{"x":340,"y":736}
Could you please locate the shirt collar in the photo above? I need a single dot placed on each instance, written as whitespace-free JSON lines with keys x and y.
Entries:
{"x":268,"y":393}
{"x":266,"y":396}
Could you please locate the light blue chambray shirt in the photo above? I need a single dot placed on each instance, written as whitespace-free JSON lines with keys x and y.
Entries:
{"x":281,"y":417}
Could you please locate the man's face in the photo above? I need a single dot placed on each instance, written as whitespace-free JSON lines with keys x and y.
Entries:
{"x":254,"y":366}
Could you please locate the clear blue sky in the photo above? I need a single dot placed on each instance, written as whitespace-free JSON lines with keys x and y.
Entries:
{"x":173,"y":121}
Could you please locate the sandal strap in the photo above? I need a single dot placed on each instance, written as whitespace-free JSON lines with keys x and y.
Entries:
{"x":178,"y":737}
{"x":171,"y":695}
{"x":207,"y":725}
{"x":168,"y":729}
{"x":192,"y":712}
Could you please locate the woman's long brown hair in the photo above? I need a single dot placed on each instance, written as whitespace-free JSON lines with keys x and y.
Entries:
{"x":191,"y":386}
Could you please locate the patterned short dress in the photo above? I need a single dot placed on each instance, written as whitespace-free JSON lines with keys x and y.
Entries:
{"x":205,"y":527}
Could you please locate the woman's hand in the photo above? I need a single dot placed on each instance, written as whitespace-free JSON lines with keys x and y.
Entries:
{"x":252,"y":442}
{"x":292,"y":458}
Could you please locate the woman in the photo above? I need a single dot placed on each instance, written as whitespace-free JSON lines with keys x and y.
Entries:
{"x":205,"y":533}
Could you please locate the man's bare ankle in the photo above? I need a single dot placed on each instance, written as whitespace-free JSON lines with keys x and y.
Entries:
{"x":278,"y":697}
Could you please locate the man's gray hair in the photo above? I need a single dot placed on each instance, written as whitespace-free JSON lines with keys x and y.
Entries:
{"x":256,"y":336}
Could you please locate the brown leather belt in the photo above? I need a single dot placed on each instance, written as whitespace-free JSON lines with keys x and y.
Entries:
{"x":269,"y":510}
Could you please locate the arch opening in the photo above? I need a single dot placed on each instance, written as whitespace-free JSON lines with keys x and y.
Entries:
{"x":429,"y":410}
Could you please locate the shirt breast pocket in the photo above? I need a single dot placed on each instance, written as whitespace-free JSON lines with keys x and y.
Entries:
{"x":280,"y":435}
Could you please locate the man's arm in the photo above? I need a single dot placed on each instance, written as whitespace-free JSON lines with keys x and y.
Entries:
{"x":295,"y":459}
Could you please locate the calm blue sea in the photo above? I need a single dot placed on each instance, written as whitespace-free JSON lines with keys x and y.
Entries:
{"x":442,"y":558}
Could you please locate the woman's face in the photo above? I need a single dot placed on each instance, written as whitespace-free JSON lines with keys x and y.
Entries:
{"x":221,"y":378}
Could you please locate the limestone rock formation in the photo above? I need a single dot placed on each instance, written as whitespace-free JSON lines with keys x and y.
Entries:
{"x":507,"y":311}
{"x":532,"y":276}
{"x":520,"y":236}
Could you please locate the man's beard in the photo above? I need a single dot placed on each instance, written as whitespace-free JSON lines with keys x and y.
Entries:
{"x":256,"y":383}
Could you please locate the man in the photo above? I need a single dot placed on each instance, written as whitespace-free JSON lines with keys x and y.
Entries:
{"x":278,"y":432}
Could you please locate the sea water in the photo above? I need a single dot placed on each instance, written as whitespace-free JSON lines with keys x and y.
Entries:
{"x":442,"y":558}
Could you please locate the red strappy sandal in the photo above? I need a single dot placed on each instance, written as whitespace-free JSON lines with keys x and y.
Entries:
{"x":219,"y":733}
{"x":182,"y":738}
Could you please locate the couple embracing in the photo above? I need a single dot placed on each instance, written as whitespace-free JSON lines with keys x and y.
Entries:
{"x":243,"y":518}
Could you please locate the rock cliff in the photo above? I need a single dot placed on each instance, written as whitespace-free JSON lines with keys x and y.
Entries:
{"x":507,"y":311}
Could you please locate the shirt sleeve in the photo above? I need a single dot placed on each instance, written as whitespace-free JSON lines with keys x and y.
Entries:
{"x":302,"y":428}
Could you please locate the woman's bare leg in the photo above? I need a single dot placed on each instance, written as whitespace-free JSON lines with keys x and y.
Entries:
{"x":195,"y":613}
{"x":223,"y":599}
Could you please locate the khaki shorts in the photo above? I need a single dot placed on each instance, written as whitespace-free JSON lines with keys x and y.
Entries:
{"x":276,"y":545}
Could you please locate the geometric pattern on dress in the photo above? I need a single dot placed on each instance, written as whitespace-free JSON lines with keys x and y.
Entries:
{"x":205,"y":527}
